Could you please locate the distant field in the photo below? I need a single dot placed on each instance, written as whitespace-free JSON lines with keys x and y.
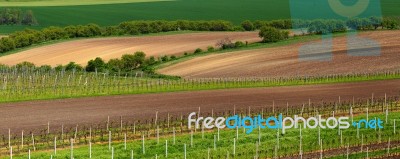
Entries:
{"x":284,"y":61}
{"x":103,"y":13}
{"x":81,"y":51}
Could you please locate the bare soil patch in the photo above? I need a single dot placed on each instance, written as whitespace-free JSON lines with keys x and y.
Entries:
{"x":81,"y":51}
{"x":83,"y":111}
{"x":285,"y":62}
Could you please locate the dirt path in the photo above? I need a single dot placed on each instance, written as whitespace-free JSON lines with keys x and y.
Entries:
{"x":284,"y":61}
{"x":81,"y":51}
{"x":36,"y":114}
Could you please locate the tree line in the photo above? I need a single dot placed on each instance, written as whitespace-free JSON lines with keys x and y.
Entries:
{"x":30,"y":37}
{"x":127,"y":63}
{"x":323,"y":26}
{"x":10,"y":16}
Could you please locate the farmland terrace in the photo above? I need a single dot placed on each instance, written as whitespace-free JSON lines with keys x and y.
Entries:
{"x":285,"y":61}
{"x":81,"y":51}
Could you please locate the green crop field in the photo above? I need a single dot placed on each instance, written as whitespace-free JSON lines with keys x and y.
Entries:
{"x":18,"y":3}
{"x":112,"y":14}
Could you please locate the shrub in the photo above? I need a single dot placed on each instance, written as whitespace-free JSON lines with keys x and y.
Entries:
{"x":376,"y":22}
{"x":25,"y":64}
{"x":279,"y":24}
{"x":44,"y":68}
{"x":238,"y":28}
{"x":225,"y":43}
{"x":115,"y":65}
{"x":97,"y":64}
{"x":271,"y":34}
{"x":318,"y":27}
{"x":29,"y":18}
{"x":10,"y":16}
{"x":73,"y":66}
{"x":390,"y":23}
{"x":300,"y":23}
{"x":210,"y":49}
{"x":164,"y":58}
{"x":71,"y":31}
{"x":173,"y":57}
{"x":58,"y":68}
{"x":6,"y":44}
{"x":112,"y":30}
{"x":239,"y":44}
{"x":183,"y":25}
{"x":54,"y":33}
{"x":151,"y":61}
{"x":258,"y":24}
{"x":134,"y":61}
{"x":89,"y":30}
{"x":27,"y":37}
{"x":198,"y":50}
{"x":247,"y":25}
{"x":220,"y":25}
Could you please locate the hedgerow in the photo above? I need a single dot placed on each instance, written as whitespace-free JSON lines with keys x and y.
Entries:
{"x":30,"y":37}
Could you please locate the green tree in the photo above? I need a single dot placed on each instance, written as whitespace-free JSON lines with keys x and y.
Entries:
{"x":134,"y":61}
{"x":151,"y":61}
{"x":390,"y":23}
{"x":44,"y":68}
{"x":247,"y":25}
{"x":376,"y":22}
{"x":54,"y":33}
{"x":25,"y":64}
{"x":6,"y":44}
{"x":164,"y":58}
{"x":73,"y":66}
{"x":96,"y":64}
{"x":115,"y":65}
{"x":271,"y":34}
{"x":59,"y":68}
{"x":29,"y":18}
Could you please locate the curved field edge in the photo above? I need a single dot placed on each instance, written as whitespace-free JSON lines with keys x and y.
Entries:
{"x":18,"y":50}
{"x":82,"y":51}
{"x":287,"y":61}
{"x":246,"y":143}
{"x":48,"y":3}
{"x":254,"y":46}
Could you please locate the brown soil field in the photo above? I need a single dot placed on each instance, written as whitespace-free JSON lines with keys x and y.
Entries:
{"x":285,"y":62}
{"x":83,"y":111}
{"x":81,"y":51}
